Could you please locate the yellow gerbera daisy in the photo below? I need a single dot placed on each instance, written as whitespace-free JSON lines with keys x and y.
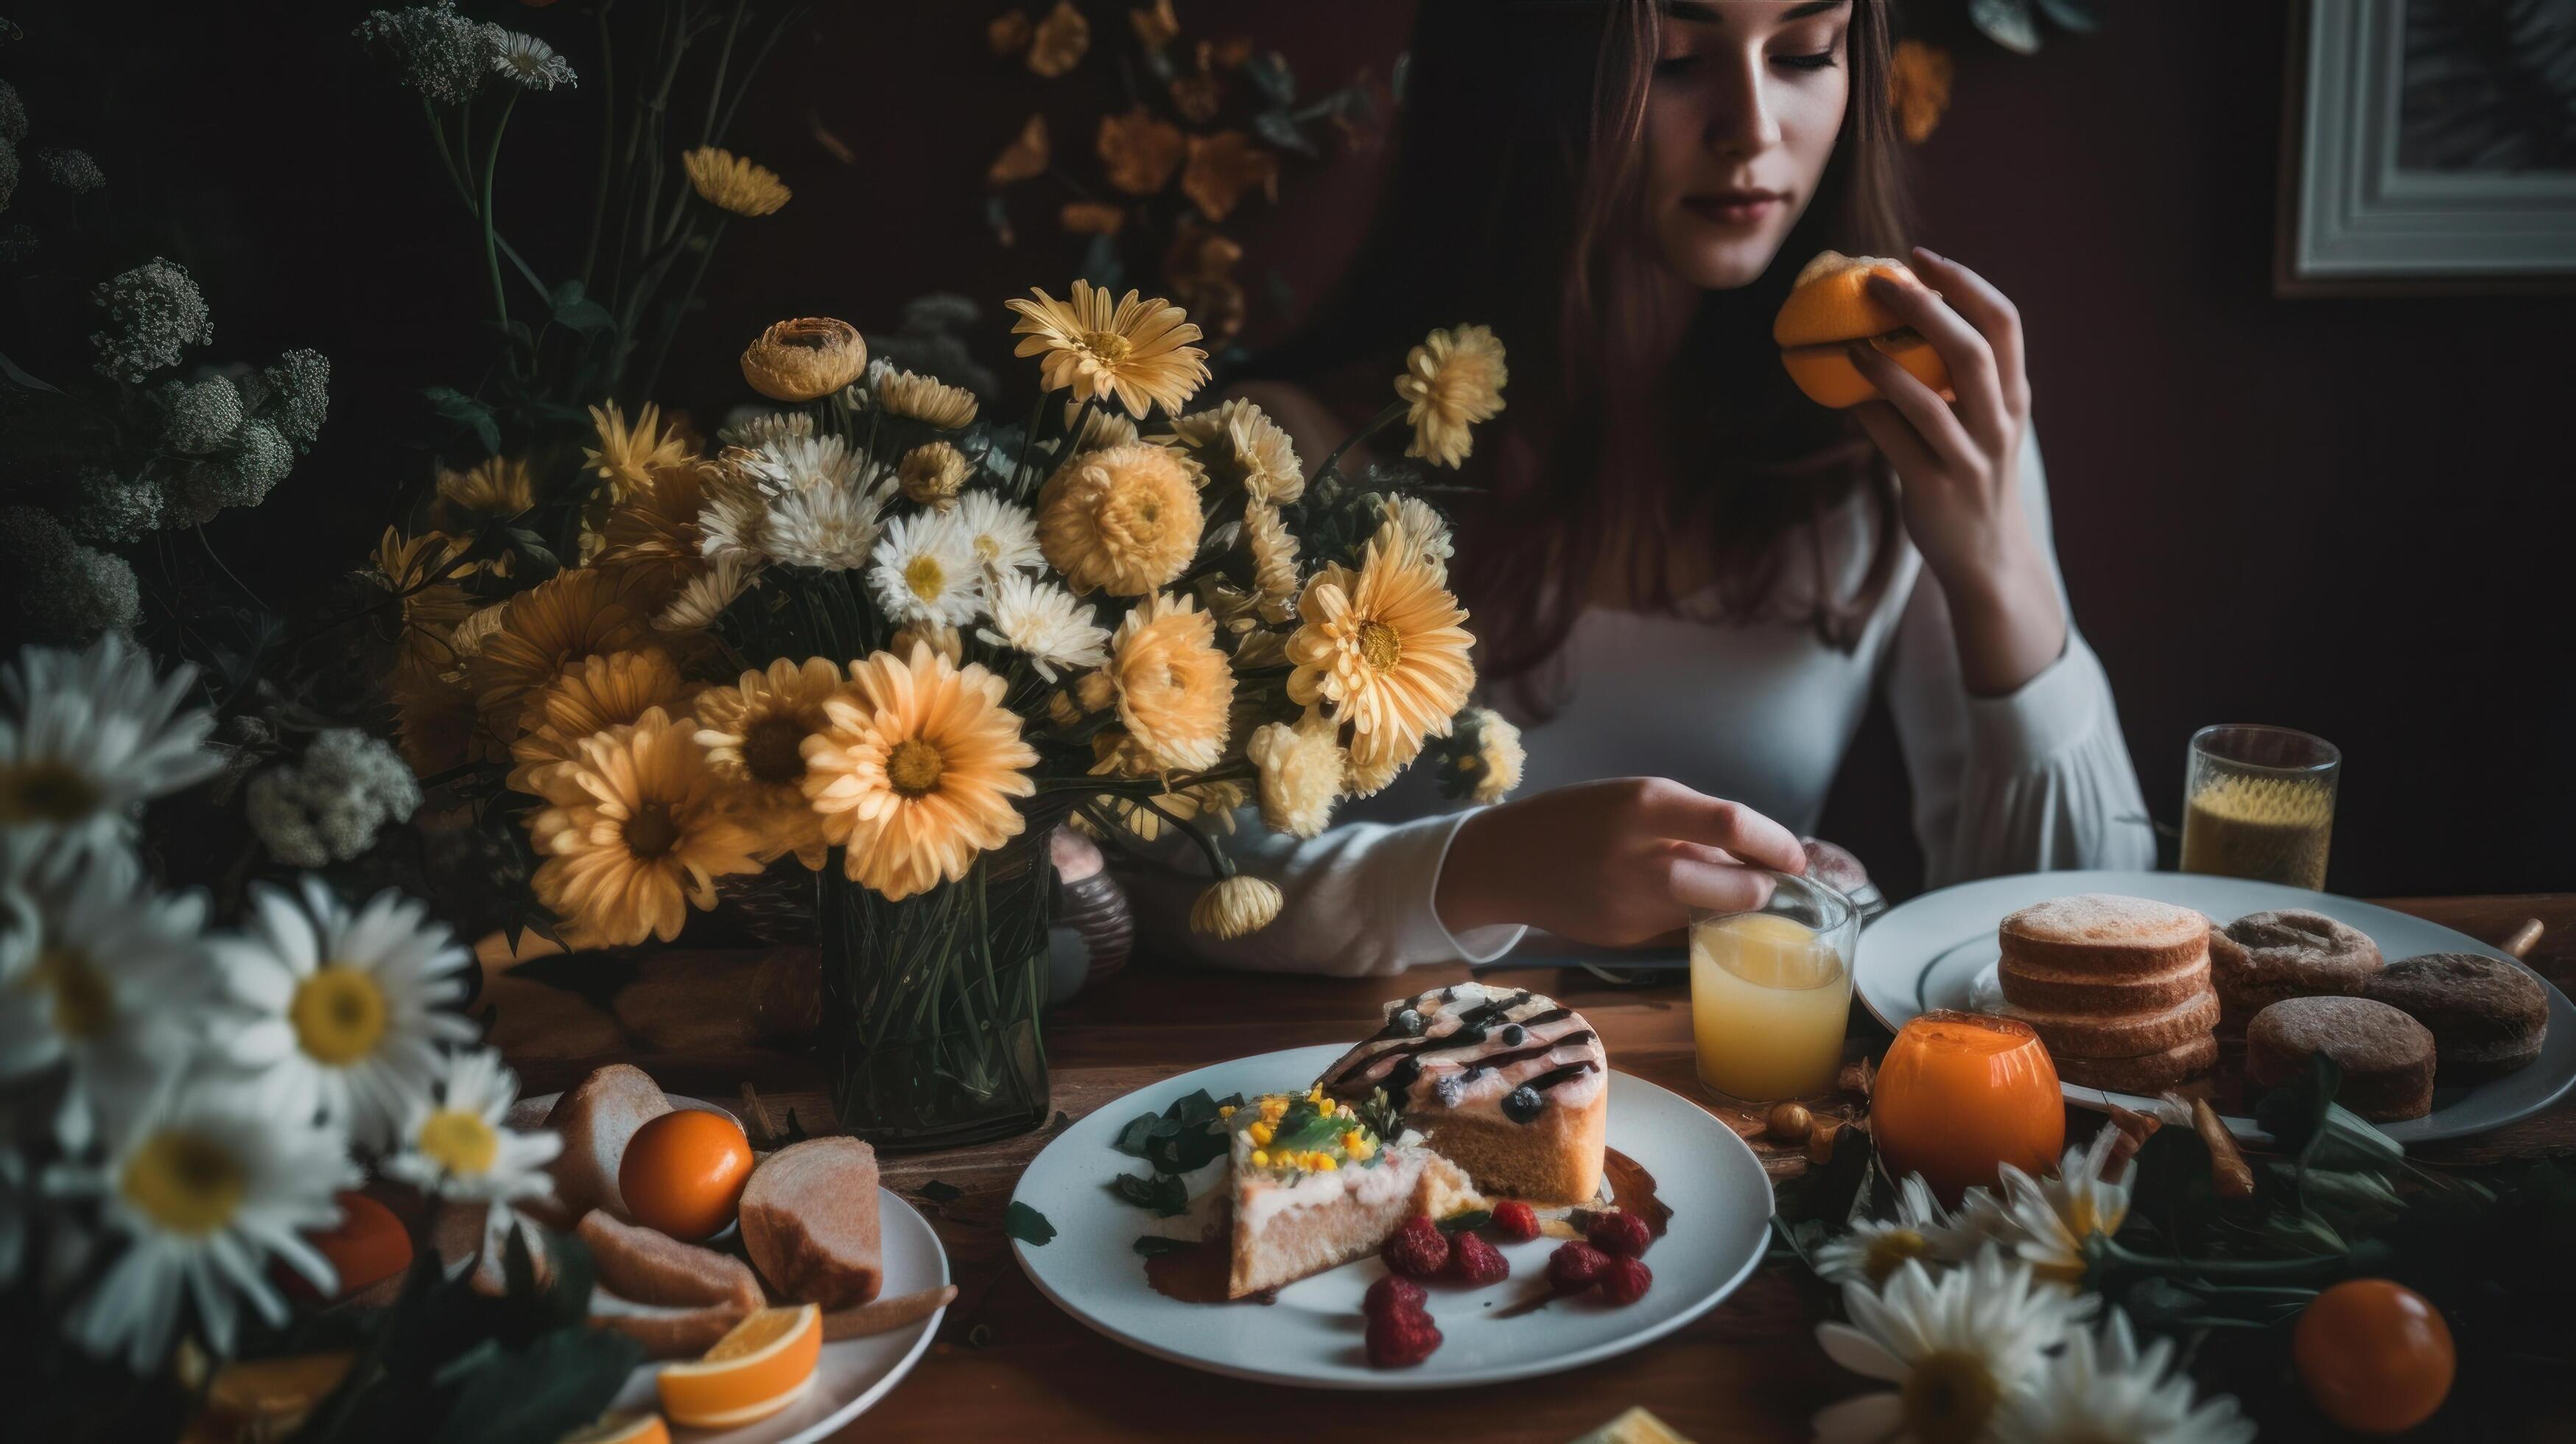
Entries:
{"x":548,"y":629}
{"x":805,"y":359}
{"x":1135,"y":350}
{"x":1384,"y":648}
{"x":634,"y":833}
{"x":1240,"y":445}
{"x":915,"y":773}
{"x":1451,"y":381}
{"x":1125,"y":519}
{"x":731,"y":183}
{"x":626,"y":456}
{"x":1174,"y":685}
{"x":754,"y":733}
{"x":593,"y":696}
{"x":926,"y":399}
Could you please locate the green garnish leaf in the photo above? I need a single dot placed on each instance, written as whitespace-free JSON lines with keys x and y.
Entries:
{"x":1027,"y":1225}
{"x":1154,"y":1245}
{"x":1315,"y":1130}
{"x":1461,"y":1222}
{"x":1162,"y":1193}
{"x":1181,"y":1137}
{"x":938,"y":1192}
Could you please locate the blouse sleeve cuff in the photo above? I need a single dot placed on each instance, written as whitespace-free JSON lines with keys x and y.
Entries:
{"x":2051,"y":712}
{"x":1409,"y":861}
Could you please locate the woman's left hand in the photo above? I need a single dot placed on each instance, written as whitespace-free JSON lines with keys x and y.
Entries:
{"x":1960,"y":465}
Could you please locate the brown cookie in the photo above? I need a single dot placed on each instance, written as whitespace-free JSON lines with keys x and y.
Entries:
{"x":2387,"y":1057}
{"x":2262,"y":958}
{"x":2488,"y":1017}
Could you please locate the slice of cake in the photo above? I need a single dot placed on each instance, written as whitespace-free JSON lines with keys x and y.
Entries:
{"x":1504,"y":1083}
{"x":1312,"y":1186}
{"x":2117,"y":987}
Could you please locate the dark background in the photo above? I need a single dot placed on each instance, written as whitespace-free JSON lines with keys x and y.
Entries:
{"x":2344,"y":515}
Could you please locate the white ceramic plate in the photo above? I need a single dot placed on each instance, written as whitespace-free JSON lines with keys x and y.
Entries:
{"x":1719,"y":1195}
{"x":1939,"y":951}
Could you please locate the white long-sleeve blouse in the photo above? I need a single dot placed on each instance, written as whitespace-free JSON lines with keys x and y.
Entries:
{"x":1761,"y":713}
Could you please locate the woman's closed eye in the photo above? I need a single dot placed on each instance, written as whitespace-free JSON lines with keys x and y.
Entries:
{"x":1821,"y":60}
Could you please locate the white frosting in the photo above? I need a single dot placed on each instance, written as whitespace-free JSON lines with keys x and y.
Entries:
{"x":1261,"y":1197}
{"x":1443,"y":1082}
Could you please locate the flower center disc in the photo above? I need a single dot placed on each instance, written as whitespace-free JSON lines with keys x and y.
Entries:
{"x":1889,"y":1251}
{"x":339,"y":1014}
{"x":45,"y":791}
{"x":462,"y":1142}
{"x":926,"y":577}
{"x":1110,"y":347}
{"x":186,"y":1184}
{"x":1949,"y":1398}
{"x":913,"y":767}
{"x":1380,"y":645}
{"x":774,"y":751}
{"x":84,"y":1001}
{"x":651,"y":832}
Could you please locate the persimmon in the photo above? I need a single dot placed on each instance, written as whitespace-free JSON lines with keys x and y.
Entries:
{"x":683,"y":1173}
{"x":2374,"y":1355}
{"x":1829,"y":307}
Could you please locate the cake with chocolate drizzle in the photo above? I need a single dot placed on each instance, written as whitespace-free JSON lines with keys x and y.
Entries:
{"x":1506,"y":1084}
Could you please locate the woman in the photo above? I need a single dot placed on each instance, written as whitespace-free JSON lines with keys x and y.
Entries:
{"x":1677,"y":565}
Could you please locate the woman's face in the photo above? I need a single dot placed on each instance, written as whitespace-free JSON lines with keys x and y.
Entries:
{"x":1747,"y":99}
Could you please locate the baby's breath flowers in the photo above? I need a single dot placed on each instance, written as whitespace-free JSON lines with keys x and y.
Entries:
{"x":1234,"y":906}
{"x":926,"y":399}
{"x":731,"y":183}
{"x":805,"y":359}
{"x":1452,"y":381}
{"x":1134,"y":351}
{"x":441,"y":54}
{"x":1125,"y":520}
{"x":915,"y":773}
{"x":327,"y":806}
{"x":152,"y":311}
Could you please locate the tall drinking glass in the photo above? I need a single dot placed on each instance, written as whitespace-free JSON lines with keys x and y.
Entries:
{"x":2258,"y":802}
{"x":1771,"y":991}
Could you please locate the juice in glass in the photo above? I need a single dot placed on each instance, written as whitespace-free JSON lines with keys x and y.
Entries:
{"x":1771,"y":993}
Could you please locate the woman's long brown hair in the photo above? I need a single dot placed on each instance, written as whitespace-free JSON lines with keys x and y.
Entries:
{"x":1516,"y":200}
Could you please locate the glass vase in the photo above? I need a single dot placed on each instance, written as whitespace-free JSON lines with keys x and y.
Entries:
{"x":930,"y":1020}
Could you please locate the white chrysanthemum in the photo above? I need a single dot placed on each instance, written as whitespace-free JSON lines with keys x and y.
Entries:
{"x":86,"y":737}
{"x":98,"y":974}
{"x":801,"y":463}
{"x":326,"y":807}
{"x":831,"y":527}
{"x":767,"y":428}
{"x":1003,"y":533}
{"x":2103,"y":1390}
{"x":1875,"y":1249}
{"x":2051,"y":1219}
{"x":704,"y":597}
{"x":455,"y":1146}
{"x":204,"y":1185}
{"x":925,"y":571}
{"x":527,"y":61}
{"x":347,"y":1011}
{"x":1425,"y":531}
{"x":1043,"y":621}
{"x":1958,"y":1350}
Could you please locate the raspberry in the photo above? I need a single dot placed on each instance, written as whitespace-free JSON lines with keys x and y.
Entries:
{"x":1516,"y":1221}
{"x":1393,"y":1294}
{"x":1417,"y":1250}
{"x":1474,"y":1261}
{"x":1625,"y":1280}
{"x":1622,"y":1235}
{"x":1574,"y":1267}
{"x":1398,"y":1339}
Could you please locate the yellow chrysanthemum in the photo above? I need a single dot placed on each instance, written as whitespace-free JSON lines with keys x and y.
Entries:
{"x":1240,"y":445}
{"x":932,"y":474}
{"x":1235,"y":906}
{"x":634,"y":833}
{"x":435,"y":724}
{"x":1174,"y":686}
{"x":1301,"y":772}
{"x":805,"y":359}
{"x":1451,"y":381}
{"x":1274,"y":559}
{"x":627,"y":455}
{"x":730,"y":183}
{"x":550,"y":628}
{"x":915,"y":771}
{"x":1125,"y":519}
{"x":599,"y":693}
{"x":754,"y":733}
{"x":926,"y":399}
{"x":1134,"y":350}
{"x":654,"y":529}
{"x":1384,"y":649}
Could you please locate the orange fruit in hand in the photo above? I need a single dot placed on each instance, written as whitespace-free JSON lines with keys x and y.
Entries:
{"x":1829,"y":308}
{"x":753,"y":1372}
{"x":683,"y":1173}
{"x":2375,"y":1355}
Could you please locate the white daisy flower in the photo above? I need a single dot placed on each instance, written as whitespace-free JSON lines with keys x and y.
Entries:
{"x":2103,"y":1390}
{"x":1004,"y":534}
{"x":86,"y":737}
{"x":1042,"y":620}
{"x":348,"y":1010}
{"x":704,"y":597}
{"x":833,"y":528}
{"x":2052,"y":1219}
{"x":1958,"y":1350}
{"x":925,"y":570}
{"x":98,"y":973}
{"x":205,"y":1184}
{"x":1875,"y":1249}
{"x":527,"y":61}
{"x":456,"y":1147}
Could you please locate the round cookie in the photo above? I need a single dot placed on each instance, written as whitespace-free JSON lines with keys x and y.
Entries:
{"x":2262,"y":958}
{"x":2387,"y":1057}
{"x":2488,"y":1017}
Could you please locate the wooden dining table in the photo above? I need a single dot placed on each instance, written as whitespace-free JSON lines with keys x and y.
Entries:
{"x":1008,"y":1364}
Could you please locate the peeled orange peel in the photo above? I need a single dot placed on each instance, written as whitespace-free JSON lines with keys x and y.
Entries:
{"x":1830,"y":307}
{"x":763,"y":1366}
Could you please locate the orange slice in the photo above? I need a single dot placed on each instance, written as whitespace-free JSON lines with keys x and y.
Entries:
{"x":751,"y":1373}
{"x":623,"y":1429}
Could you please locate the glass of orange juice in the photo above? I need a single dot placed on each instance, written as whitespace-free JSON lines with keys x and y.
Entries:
{"x":1771,"y":991}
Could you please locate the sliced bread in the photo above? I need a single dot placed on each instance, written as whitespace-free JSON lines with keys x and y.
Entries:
{"x":809,"y":1222}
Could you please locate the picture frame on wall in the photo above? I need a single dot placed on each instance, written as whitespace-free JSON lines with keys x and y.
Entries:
{"x":2429,"y":147}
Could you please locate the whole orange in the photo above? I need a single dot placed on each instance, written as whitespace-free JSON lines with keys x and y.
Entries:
{"x":2375,"y":1355}
{"x":683,"y":1173}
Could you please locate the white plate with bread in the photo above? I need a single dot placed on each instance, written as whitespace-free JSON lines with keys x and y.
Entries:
{"x":2440,"y":1035}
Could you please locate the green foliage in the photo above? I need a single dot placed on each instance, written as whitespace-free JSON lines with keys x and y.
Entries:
{"x":1027,"y":1224}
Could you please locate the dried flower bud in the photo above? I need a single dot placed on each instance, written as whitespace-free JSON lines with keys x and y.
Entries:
{"x":805,"y":359}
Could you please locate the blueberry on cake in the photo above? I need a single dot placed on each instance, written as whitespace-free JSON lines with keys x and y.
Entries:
{"x":1504,"y":1083}
{"x":1315,"y":1185}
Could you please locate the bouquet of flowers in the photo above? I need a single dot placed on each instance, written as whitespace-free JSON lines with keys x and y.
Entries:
{"x":877,"y":636}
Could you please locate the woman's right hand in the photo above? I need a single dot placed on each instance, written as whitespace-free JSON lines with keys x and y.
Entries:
{"x":1612,"y":863}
